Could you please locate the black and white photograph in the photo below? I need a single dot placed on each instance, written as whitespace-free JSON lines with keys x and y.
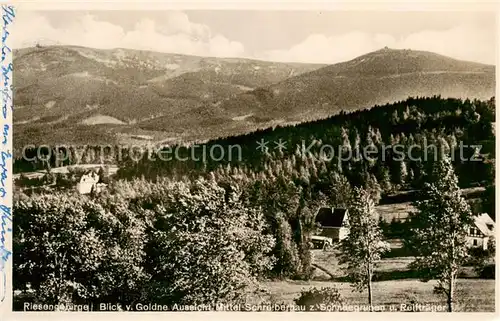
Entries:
{"x":251,"y":160}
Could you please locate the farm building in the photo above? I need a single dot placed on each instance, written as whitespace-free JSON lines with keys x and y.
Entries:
{"x":333,"y":222}
{"x":482,"y":230}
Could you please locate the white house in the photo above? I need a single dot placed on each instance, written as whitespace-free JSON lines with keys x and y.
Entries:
{"x":87,"y":182}
{"x":481,"y":231}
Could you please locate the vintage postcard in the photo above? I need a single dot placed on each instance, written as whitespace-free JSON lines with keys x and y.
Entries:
{"x":200,"y":160}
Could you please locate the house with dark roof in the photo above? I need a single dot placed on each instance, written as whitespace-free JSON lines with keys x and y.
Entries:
{"x":332,"y":222}
{"x":481,"y":231}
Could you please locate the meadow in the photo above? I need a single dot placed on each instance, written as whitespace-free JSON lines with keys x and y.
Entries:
{"x":395,"y":285}
{"x":472,"y":294}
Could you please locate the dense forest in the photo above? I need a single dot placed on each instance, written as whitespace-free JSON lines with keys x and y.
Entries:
{"x":404,"y":136}
{"x":256,"y":212}
{"x":415,"y":121}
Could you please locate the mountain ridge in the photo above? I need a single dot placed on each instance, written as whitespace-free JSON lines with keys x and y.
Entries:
{"x":174,"y":97}
{"x":454,"y":78}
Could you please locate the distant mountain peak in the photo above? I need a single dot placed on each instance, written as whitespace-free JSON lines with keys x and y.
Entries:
{"x":388,"y":61}
{"x":204,"y":97}
{"x":388,"y":50}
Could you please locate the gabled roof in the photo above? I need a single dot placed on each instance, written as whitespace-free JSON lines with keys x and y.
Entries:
{"x":330,"y":217}
{"x":485,"y":224}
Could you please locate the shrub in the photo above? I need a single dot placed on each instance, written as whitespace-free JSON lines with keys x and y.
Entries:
{"x":481,"y":260}
{"x":487,"y":272}
{"x":313,"y":298}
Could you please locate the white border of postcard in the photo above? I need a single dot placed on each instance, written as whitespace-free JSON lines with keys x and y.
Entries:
{"x":405,"y":5}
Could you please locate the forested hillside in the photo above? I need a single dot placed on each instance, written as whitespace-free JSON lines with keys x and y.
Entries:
{"x":418,"y":122}
{"x":412,"y":130}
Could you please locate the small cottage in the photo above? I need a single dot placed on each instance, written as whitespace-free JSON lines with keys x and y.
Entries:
{"x":481,"y":231}
{"x":333,"y":223}
{"x":88,"y":182}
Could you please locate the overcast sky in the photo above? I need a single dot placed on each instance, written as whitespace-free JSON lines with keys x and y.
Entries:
{"x":300,"y":36}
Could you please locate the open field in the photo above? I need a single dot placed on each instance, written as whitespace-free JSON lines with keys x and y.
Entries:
{"x":394,"y":284}
{"x":398,"y":211}
{"x":473,"y":295}
{"x":401,"y":203}
{"x":387,"y":268}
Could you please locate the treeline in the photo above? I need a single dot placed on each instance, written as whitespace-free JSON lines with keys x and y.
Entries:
{"x":413,"y":125}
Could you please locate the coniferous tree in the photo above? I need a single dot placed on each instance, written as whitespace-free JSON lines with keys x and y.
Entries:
{"x":401,"y":173}
{"x":385,"y":180}
{"x":340,"y":193}
{"x":438,"y":229}
{"x":373,"y":187}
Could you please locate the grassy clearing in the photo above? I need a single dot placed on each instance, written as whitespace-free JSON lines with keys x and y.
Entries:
{"x":65,"y":170}
{"x":328,"y":260}
{"x":398,"y":211}
{"x":472,"y":295}
{"x":394,"y":284}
